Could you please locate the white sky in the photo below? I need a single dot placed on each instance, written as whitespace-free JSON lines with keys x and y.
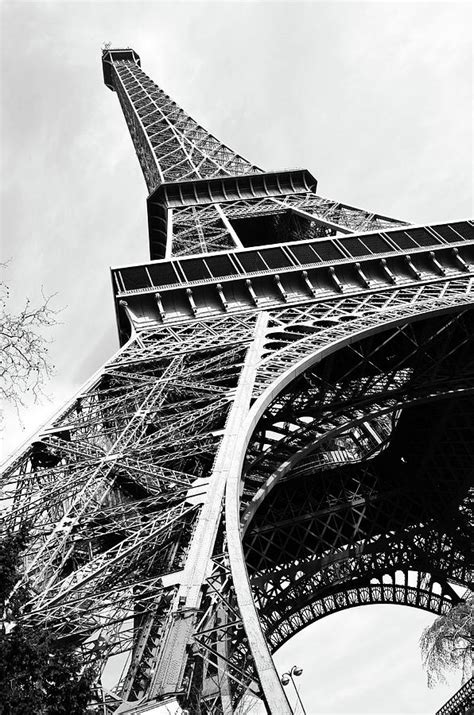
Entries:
{"x":374,"y":98}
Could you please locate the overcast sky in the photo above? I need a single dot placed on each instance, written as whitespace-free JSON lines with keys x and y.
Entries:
{"x":374,"y":98}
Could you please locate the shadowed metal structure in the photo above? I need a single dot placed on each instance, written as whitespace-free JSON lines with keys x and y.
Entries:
{"x":286,"y":431}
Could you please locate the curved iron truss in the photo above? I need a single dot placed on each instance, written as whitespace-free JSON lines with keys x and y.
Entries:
{"x":286,"y":431}
{"x":363,"y":440}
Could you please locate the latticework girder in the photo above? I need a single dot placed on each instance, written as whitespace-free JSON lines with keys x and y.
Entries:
{"x":101,"y":561}
{"x":286,"y":431}
{"x":172,"y":147}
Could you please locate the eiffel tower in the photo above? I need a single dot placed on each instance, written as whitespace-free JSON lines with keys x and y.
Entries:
{"x":286,"y":430}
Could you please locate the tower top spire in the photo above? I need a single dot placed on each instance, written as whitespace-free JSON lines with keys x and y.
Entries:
{"x":170,"y":145}
{"x":109,"y":55}
{"x":203,"y":196}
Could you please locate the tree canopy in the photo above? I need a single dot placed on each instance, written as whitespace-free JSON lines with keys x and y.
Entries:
{"x":39,"y":675}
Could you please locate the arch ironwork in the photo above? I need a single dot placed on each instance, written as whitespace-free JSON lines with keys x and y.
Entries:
{"x":343,"y":402}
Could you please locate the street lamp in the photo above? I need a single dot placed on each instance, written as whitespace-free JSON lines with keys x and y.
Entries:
{"x":285,"y":679}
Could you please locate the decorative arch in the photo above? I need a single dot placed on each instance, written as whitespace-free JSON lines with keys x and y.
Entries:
{"x":284,"y":453}
{"x":369,"y":595}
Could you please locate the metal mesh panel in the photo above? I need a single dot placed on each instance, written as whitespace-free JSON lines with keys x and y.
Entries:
{"x":328,"y":251}
{"x":220,"y":266}
{"x":162,"y":274}
{"x":305,"y":254}
{"x":276,"y":258}
{"x":355,"y":247}
{"x":195,"y":269}
{"x":252,"y":262}
{"x":403,"y":241}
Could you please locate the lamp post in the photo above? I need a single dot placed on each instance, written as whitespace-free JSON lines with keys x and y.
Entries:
{"x":285,"y":679}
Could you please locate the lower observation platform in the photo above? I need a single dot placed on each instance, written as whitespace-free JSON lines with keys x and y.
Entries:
{"x":185,"y":288}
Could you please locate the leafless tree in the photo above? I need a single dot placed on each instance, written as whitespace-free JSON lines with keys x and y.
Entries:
{"x":447,"y":644}
{"x":25,"y":364}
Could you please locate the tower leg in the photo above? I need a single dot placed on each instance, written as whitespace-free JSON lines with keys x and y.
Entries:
{"x":170,"y":667}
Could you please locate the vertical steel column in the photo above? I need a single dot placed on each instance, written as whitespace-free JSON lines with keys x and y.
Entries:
{"x":275,"y":699}
{"x":172,"y":658}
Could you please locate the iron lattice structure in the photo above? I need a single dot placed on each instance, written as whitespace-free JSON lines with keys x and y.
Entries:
{"x":285,"y":432}
{"x":461,"y":702}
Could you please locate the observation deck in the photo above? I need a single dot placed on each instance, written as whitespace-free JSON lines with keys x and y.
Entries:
{"x":270,"y":276}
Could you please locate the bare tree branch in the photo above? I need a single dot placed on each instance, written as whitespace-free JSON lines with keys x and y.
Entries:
{"x":25,"y":364}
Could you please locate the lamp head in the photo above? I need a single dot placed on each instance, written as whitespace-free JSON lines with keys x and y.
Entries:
{"x":285,"y":679}
{"x":297,"y":671}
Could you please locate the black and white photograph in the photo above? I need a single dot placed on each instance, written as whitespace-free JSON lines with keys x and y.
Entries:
{"x":236,"y":357}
